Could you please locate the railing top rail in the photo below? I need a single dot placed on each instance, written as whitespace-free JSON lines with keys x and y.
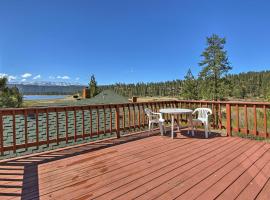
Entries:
{"x":226,"y":102}
{"x":83,"y":106}
{"x":94,"y":106}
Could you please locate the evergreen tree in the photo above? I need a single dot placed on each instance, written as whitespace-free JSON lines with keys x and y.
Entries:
{"x":93,"y":89}
{"x":9,"y":97}
{"x":215,"y":66}
{"x":190,"y":87}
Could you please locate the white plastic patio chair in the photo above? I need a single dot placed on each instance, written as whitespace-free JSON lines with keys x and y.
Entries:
{"x":154,"y":118}
{"x":203,"y":117}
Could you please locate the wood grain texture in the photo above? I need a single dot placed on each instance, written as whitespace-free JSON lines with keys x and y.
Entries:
{"x":146,"y":168}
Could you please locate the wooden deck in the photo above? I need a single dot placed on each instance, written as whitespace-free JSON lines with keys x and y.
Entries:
{"x":146,"y":168}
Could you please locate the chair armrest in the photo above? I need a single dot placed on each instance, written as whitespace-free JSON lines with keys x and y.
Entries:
{"x":160,"y":115}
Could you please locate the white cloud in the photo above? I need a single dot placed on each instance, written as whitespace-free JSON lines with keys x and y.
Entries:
{"x":26,"y":75}
{"x":63,"y":77}
{"x":37,"y":77}
{"x":51,"y":77}
{"x":9,"y":77}
{"x":2,"y":75}
{"x":23,"y":80}
{"x":77,"y":78}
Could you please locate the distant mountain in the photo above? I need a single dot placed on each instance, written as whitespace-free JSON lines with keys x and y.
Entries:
{"x":47,"y":88}
{"x":46,"y":83}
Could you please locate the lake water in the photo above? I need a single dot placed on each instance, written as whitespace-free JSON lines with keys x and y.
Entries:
{"x":43,"y":97}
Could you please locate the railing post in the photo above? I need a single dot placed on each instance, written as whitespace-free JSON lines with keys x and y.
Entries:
{"x":228,"y":119}
{"x":117,"y":121}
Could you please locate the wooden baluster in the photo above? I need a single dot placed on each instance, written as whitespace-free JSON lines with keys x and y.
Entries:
{"x":220,"y":116}
{"x":134,"y":117}
{"x":265,"y":121}
{"x":25,"y":129}
{"x":168,"y":116}
{"x":216,"y":107}
{"x":104,"y":116}
{"x":98,"y":121}
{"x":75,"y":125}
{"x":181,"y":116}
{"x":66,"y":115}
{"x":144,"y":120}
{"x":1,"y":135}
{"x":47,"y":128}
{"x":124,"y":118}
{"x":156,"y":107}
{"x":255,"y":120}
{"x":129,"y":116}
{"x":117,"y":120}
{"x":83,"y":124}
{"x":214,"y":116}
{"x":111,"y":125}
{"x":175,"y":104}
{"x":237,"y":117}
{"x":139,"y":116}
{"x":57,"y":127}
{"x":14,"y":130}
{"x":186,"y":116}
{"x":37,"y":129}
{"x":246,"y":119}
{"x":91,"y":123}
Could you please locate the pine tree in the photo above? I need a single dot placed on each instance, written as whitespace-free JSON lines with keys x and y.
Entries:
{"x":93,"y":89}
{"x":190,"y":87}
{"x":215,"y":66}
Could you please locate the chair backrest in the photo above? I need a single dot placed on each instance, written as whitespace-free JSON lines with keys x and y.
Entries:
{"x":148,"y":112}
{"x":203,"y":113}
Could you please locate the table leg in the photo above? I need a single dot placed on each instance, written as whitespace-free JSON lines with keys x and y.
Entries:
{"x":178,"y":123}
{"x":191,"y":125}
{"x":172,"y":123}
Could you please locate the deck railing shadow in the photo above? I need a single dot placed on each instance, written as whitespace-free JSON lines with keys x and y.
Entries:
{"x":27,"y":185}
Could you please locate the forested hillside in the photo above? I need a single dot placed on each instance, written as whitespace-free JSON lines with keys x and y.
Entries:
{"x":244,"y":85}
{"x":48,"y":89}
{"x":168,"y":88}
{"x":251,"y":84}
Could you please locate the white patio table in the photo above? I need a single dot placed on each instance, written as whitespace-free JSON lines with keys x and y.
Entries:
{"x":178,"y":111}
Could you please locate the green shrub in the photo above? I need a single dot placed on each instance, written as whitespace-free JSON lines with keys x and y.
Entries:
{"x":9,"y":97}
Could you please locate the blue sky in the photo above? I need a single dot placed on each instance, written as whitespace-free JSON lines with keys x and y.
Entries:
{"x":127,"y":40}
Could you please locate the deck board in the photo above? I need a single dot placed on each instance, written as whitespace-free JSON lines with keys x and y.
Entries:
{"x":148,"y":168}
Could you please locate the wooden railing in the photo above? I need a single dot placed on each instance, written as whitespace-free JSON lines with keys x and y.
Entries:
{"x":37,"y":129}
{"x":250,"y":118}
